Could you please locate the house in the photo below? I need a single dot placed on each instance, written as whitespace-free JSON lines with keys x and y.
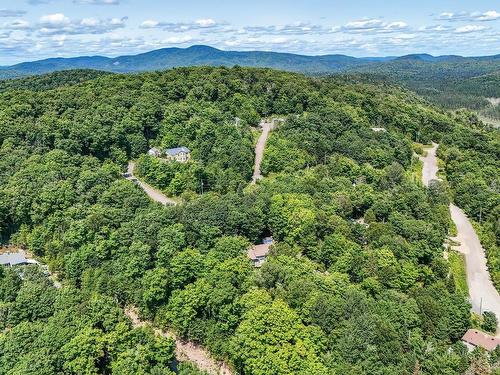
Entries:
{"x":258,"y":253}
{"x":383,"y":130}
{"x":154,"y":152}
{"x":13,"y":259}
{"x":474,"y":338}
{"x":179,"y":154}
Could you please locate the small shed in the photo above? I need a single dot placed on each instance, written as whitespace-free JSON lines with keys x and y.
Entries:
{"x":474,"y":338}
{"x":154,"y":152}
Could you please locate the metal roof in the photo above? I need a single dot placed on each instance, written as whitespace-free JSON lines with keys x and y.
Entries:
{"x":12,"y":259}
{"x":177,"y":150}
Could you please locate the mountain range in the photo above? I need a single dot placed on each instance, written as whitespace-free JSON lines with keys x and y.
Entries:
{"x":166,"y":58}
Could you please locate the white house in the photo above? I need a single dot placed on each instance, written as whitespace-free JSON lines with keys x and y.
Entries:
{"x":179,"y":154}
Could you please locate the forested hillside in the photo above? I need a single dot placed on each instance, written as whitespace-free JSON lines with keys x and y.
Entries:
{"x":449,"y":81}
{"x":355,"y":284}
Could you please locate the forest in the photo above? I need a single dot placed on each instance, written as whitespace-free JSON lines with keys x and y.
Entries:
{"x":452,"y":83}
{"x":356,"y":282}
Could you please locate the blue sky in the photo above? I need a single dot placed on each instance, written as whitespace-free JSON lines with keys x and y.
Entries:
{"x":35,"y":29}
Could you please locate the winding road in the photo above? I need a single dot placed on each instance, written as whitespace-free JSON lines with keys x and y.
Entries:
{"x":153,"y":193}
{"x":184,"y":350}
{"x":260,"y":147}
{"x":482,"y":293}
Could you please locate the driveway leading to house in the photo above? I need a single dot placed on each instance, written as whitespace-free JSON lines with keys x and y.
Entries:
{"x":430,"y":168}
{"x":259,"y":149}
{"x":483,"y":295}
{"x":153,"y":193}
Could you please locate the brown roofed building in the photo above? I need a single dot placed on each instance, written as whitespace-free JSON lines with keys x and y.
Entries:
{"x":474,"y":338}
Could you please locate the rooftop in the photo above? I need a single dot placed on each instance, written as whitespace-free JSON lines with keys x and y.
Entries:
{"x":12,"y":259}
{"x":257,"y":251}
{"x":481,"y":339}
{"x":177,"y":150}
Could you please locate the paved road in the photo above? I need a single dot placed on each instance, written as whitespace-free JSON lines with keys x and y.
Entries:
{"x":259,"y":149}
{"x":153,"y":193}
{"x":184,"y":350}
{"x":483,"y":294}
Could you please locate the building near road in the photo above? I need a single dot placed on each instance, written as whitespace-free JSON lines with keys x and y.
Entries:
{"x":179,"y":154}
{"x":474,"y":338}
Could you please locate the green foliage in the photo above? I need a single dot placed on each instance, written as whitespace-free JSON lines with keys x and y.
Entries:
{"x":79,"y":335}
{"x":271,"y":339}
{"x":490,"y":322}
{"x":355,"y":281}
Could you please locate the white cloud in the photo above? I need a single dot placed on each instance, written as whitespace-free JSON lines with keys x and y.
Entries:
{"x":469,"y":29}
{"x":58,"y":23}
{"x":490,"y":15}
{"x":364,"y":24}
{"x":373,"y":25}
{"x":205,"y":22}
{"x":149,"y":24}
{"x":54,"y":20}
{"x":298,"y":28}
{"x":179,"y":27}
{"x":435,"y":28}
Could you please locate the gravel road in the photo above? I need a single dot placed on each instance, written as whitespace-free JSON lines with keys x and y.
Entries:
{"x":153,"y":193}
{"x":259,"y":149}
{"x":482,"y":293}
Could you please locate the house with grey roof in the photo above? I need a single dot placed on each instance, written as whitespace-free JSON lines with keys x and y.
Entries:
{"x":179,"y":154}
{"x":13,"y":259}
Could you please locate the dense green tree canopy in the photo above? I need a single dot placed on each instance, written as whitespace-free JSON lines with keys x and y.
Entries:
{"x":355,"y":282}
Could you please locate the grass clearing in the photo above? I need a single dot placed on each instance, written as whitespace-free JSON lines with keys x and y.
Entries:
{"x":457,"y":267}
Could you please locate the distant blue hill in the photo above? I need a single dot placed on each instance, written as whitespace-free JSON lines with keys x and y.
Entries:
{"x":403,"y":68}
{"x":166,"y":58}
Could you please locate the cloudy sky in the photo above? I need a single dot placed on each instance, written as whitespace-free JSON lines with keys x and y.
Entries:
{"x":36,"y":29}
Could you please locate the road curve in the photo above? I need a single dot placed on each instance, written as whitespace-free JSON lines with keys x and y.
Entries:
{"x":153,"y":193}
{"x":259,"y":149}
{"x":482,"y":293}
